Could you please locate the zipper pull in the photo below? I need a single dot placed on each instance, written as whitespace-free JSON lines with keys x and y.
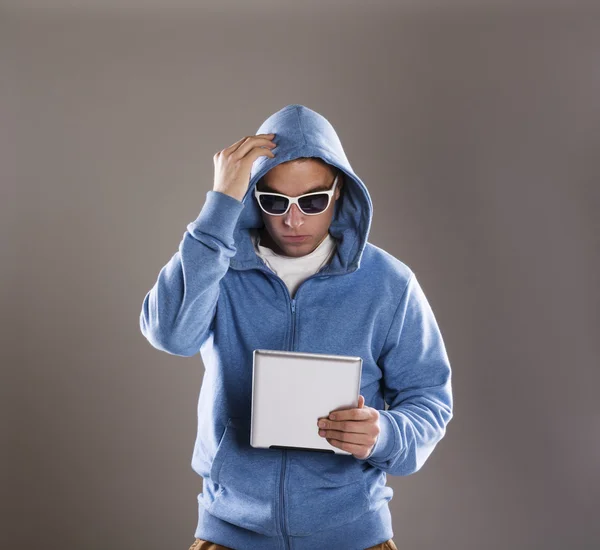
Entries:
{"x":293,"y":305}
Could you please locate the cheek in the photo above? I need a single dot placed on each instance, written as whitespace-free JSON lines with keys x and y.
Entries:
{"x":328,"y":217}
{"x":268,"y":221}
{"x":274,"y":224}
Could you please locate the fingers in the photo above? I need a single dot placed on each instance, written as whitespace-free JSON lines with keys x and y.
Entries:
{"x":234,"y":146}
{"x":356,"y":415}
{"x":359,"y":413}
{"x":243,"y":146}
{"x":359,"y":451}
{"x":347,"y":437}
{"x":349,"y":426}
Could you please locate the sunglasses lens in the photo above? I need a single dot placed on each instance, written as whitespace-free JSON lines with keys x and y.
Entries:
{"x":314,"y":204}
{"x":274,"y":204}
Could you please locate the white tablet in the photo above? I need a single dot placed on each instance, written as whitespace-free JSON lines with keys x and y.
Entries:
{"x":292,"y":390}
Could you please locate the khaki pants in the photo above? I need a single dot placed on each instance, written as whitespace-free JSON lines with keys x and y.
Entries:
{"x":200,"y":544}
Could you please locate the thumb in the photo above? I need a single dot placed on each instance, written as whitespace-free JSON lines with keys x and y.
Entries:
{"x":361,"y":401}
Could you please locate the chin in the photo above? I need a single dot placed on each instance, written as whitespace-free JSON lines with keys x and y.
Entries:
{"x":297,"y":251}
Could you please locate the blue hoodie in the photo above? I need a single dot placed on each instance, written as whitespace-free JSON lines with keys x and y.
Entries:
{"x":216,"y":296}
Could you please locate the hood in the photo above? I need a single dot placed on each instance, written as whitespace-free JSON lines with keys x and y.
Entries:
{"x":302,"y":132}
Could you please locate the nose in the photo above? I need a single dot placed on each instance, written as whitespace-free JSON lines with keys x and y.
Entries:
{"x":293,"y":217}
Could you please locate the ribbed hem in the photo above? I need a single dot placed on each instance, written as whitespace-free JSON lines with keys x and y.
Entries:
{"x":369,"y":530}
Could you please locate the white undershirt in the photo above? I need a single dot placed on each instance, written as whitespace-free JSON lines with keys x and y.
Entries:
{"x":295,"y":270}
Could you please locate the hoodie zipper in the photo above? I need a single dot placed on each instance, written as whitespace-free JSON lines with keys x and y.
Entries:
{"x":293,"y":324}
{"x":291,"y":347}
{"x":284,"y":458}
{"x":281,"y":499}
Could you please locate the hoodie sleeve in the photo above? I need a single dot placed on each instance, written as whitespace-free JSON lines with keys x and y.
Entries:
{"x":417,"y":387}
{"x":178,"y":312}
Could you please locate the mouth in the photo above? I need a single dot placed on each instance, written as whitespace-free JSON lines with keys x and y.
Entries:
{"x":295,"y":238}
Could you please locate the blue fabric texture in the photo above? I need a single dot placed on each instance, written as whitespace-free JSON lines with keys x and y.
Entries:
{"x":216,"y":297}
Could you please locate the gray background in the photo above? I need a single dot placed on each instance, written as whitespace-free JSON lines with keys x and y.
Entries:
{"x":475,"y":126}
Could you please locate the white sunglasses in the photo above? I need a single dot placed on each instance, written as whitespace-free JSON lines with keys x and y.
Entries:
{"x":311,"y":204}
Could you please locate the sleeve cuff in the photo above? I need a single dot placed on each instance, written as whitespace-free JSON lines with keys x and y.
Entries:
{"x":218,"y":217}
{"x":385,"y":443}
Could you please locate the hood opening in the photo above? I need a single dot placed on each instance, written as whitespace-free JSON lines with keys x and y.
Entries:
{"x":301,"y":132}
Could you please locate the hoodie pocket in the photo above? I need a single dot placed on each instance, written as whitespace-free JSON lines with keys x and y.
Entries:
{"x":246,"y":481}
{"x":324,"y":491}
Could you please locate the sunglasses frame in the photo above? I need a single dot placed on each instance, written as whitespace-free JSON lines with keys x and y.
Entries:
{"x":294,"y":200}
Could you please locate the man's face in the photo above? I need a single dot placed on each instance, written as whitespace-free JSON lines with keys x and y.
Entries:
{"x":293,"y":179}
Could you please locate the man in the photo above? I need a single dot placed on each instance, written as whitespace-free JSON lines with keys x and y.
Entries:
{"x":241,"y":281}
